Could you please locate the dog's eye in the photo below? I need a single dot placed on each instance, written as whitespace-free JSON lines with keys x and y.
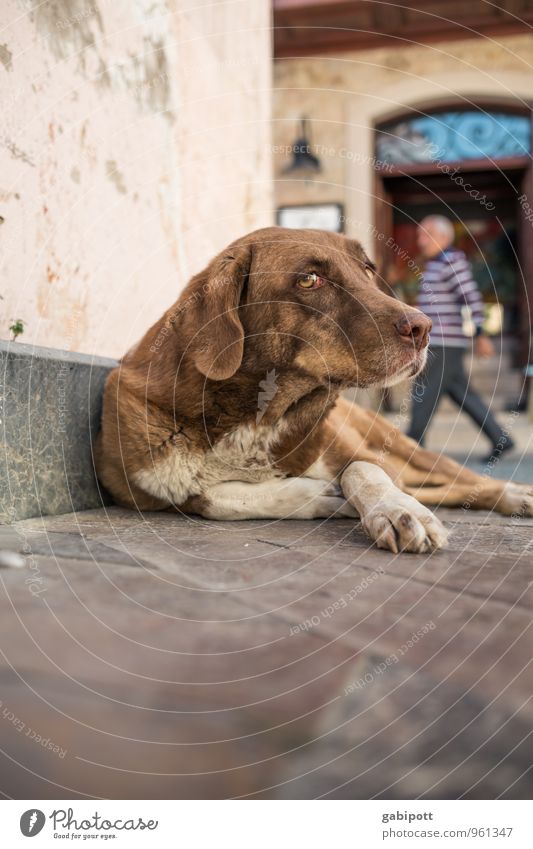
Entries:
{"x":370,"y":271}
{"x":310,"y":281}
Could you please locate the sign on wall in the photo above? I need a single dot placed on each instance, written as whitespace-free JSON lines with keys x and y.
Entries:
{"x":317,"y":216}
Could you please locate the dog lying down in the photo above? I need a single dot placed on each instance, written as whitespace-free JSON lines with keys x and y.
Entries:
{"x":230,"y":406}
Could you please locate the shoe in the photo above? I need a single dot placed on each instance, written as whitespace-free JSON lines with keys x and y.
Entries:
{"x":518,"y":406}
{"x":503,"y":446}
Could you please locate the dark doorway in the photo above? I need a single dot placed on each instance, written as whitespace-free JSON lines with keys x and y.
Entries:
{"x":483,"y":203}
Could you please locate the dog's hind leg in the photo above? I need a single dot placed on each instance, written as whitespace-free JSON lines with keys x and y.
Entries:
{"x":376,"y":440}
{"x":510,"y":499}
{"x":435,"y":479}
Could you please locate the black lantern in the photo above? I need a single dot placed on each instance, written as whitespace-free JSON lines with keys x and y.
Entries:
{"x":303,"y":161}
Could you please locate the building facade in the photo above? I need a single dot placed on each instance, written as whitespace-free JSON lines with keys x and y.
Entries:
{"x":132,"y":150}
{"x":412,"y":116}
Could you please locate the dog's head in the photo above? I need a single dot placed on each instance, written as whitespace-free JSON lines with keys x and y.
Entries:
{"x":301,"y":299}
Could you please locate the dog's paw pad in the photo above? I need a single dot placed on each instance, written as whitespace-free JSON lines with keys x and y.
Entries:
{"x":416,"y":530}
{"x":516,"y":501}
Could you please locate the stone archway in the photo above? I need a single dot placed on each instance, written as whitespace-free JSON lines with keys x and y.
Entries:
{"x":369,"y":204}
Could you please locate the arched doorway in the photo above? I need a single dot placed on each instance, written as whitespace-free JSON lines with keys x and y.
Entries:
{"x":472,"y":164}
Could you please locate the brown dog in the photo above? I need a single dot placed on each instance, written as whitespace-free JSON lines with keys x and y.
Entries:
{"x":229,"y":406}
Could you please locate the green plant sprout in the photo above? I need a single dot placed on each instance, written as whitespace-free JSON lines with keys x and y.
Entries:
{"x":17,"y":328}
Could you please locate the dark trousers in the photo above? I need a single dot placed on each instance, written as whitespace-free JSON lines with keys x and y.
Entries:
{"x":445,"y":375}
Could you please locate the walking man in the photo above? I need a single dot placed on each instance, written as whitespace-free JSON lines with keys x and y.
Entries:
{"x":447,"y":285}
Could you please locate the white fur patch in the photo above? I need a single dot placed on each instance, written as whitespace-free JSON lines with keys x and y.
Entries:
{"x":278,"y":498}
{"x":404,"y":373}
{"x":242,"y":455}
{"x":517,"y":500}
{"x":173,"y":478}
{"x":320,"y":470}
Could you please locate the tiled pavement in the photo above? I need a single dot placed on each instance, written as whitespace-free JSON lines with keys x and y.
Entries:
{"x":171,"y":657}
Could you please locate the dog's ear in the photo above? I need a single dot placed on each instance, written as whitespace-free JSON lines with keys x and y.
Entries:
{"x":217,"y":335}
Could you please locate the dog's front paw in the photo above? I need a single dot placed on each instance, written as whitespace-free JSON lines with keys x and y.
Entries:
{"x":516,"y":500}
{"x":404,"y":525}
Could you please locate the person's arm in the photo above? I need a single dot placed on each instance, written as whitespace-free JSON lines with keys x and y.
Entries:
{"x":467,"y":292}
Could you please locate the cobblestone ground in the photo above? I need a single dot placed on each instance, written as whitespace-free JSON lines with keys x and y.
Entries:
{"x":161,"y":656}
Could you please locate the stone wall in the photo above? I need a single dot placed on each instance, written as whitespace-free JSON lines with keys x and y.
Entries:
{"x":134,"y":144}
{"x":50,"y":414}
{"x":344,"y":96}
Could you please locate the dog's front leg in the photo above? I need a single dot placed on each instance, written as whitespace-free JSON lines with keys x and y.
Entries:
{"x":393,"y":519}
{"x":278,"y":498}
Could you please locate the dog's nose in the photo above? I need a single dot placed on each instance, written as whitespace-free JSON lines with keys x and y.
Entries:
{"x":414,"y":328}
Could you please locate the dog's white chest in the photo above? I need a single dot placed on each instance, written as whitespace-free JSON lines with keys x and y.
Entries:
{"x":242,"y":455}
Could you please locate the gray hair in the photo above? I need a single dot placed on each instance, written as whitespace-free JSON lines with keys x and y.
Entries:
{"x":441,"y":224}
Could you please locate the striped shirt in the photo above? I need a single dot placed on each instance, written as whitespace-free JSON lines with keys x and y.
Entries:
{"x":447,"y":286}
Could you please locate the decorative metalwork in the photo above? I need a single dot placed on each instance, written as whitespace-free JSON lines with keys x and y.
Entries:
{"x":454,"y":136}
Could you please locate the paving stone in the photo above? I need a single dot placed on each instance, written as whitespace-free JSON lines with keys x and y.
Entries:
{"x":175,"y":657}
{"x":406,"y":735}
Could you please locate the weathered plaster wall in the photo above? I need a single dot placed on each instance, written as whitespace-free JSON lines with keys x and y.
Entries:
{"x":345,"y":96}
{"x":134,"y":144}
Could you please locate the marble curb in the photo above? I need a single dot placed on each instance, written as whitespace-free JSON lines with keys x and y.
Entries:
{"x":50,"y":402}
